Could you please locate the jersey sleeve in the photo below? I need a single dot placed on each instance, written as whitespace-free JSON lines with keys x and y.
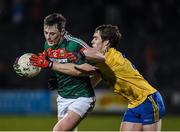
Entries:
{"x":76,"y":46}
{"x":75,"y":43}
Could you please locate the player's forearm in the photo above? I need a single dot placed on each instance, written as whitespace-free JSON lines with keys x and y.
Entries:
{"x":67,"y":68}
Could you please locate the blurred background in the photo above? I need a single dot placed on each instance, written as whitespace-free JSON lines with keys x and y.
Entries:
{"x":150,"y":30}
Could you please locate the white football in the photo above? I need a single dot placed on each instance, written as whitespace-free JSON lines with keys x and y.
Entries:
{"x":26,"y":68}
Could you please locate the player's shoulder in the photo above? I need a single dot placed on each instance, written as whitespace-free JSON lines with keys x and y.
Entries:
{"x":113,"y":52}
{"x":74,"y":41}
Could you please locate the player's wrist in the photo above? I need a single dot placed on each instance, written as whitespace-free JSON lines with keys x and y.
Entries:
{"x":50,"y":65}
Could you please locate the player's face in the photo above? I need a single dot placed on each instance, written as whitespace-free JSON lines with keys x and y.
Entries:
{"x":98,"y":43}
{"x":52,"y":35}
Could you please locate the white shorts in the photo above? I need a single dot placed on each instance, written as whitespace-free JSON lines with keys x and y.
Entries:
{"x":81,"y":105}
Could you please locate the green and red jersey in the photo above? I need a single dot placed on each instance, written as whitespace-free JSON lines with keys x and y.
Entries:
{"x":71,"y":86}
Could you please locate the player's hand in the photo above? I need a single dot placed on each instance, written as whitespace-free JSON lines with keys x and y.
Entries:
{"x":16,"y":67}
{"x":52,"y":83}
{"x":40,"y":61}
{"x":43,"y":54}
{"x":93,"y":55}
{"x":57,"y":53}
{"x":72,"y":56}
{"x":63,"y":54}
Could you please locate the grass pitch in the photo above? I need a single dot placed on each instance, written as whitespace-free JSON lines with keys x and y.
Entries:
{"x":90,"y":123}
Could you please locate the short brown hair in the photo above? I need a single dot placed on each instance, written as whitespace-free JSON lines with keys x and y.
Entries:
{"x":55,"y":18}
{"x":109,"y":32}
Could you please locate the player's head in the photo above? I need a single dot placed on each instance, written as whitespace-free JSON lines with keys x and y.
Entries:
{"x":106,"y":36}
{"x":54,"y":28}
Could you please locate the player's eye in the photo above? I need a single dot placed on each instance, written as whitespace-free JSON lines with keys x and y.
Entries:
{"x":52,"y":33}
{"x":95,"y":38}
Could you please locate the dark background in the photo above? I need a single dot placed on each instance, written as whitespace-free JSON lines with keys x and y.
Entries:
{"x":150,"y":37}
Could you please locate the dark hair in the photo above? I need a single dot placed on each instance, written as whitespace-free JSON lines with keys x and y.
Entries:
{"x":55,"y":18}
{"x":109,"y":32}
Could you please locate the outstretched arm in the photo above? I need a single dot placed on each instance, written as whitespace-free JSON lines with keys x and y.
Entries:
{"x":79,"y":70}
{"x":70,"y":69}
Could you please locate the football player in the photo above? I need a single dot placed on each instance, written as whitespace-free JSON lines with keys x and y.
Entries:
{"x":75,"y":94}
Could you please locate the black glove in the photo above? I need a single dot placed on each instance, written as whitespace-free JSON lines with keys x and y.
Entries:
{"x":52,"y":83}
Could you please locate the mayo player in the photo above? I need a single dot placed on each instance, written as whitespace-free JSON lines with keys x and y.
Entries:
{"x":76,"y":95}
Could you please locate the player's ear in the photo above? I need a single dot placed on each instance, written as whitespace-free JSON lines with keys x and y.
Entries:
{"x":106,"y":43}
{"x":62,"y":31}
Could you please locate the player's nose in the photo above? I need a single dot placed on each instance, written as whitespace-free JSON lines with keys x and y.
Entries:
{"x":48,"y":36}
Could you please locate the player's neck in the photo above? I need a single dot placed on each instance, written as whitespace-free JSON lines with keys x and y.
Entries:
{"x":104,"y":50}
{"x":60,"y":40}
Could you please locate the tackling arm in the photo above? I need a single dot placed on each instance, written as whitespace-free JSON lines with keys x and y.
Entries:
{"x":79,"y":70}
{"x":70,"y":69}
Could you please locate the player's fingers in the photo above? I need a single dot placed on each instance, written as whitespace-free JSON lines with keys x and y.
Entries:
{"x":33,"y":58}
{"x":85,"y":70}
{"x":41,"y":55}
{"x":32,"y":61}
{"x":34,"y":64}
